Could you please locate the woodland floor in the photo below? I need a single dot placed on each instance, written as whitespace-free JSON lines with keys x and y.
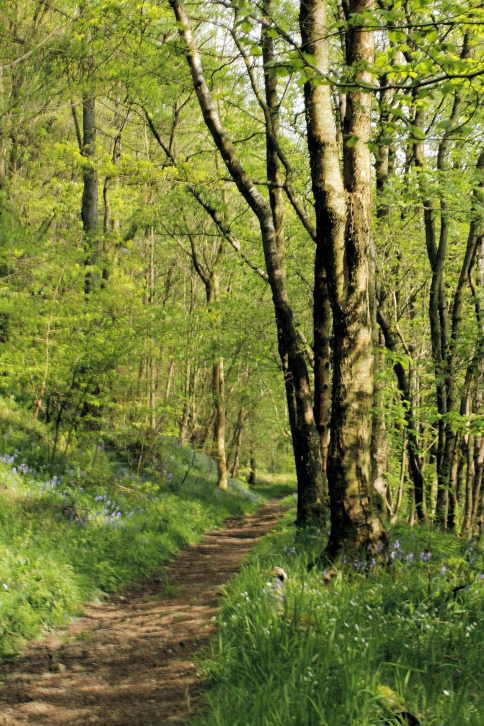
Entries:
{"x":130,"y":659}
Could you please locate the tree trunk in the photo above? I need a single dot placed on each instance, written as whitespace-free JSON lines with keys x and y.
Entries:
{"x":322,"y":324}
{"x":219,"y":395}
{"x":322,"y":319}
{"x":342,"y":220}
{"x":305,"y":437}
{"x":407,"y":400}
{"x":239,"y":428}
{"x":213,"y":299}
{"x":238,"y":442}
{"x":89,"y":204}
{"x":478,"y":489}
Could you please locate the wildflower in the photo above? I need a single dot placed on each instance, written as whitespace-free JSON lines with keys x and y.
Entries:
{"x":5,"y":586}
{"x":446,"y":693}
{"x":444,"y":568}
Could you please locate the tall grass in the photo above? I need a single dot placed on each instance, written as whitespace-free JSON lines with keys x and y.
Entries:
{"x":89,"y":530}
{"x":375,"y":642}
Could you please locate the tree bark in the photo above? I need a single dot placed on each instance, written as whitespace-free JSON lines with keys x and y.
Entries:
{"x":343,"y":241}
{"x":89,"y":204}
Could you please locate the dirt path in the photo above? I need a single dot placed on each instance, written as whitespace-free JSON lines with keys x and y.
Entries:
{"x":129,"y":660}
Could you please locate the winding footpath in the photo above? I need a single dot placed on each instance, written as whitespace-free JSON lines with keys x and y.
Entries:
{"x":130,"y":660}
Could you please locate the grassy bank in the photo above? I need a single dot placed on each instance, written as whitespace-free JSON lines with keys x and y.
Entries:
{"x":66,"y":538}
{"x":369,"y":645}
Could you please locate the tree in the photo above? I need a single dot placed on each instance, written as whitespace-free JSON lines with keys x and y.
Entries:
{"x":343,"y":240}
{"x":305,"y":435}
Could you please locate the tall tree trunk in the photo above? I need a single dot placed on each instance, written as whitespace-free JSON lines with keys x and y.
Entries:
{"x":469,"y":482}
{"x":219,"y":394}
{"x":89,"y":204}
{"x":407,"y":400}
{"x":237,"y":441}
{"x":478,"y":493}
{"x":322,"y":325}
{"x":321,"y":308}
{"x":213,"y":299}
{"x":239,"y":427}
{"x":378,"y":433}
{"x":150,"y":299}
{"x":308,"y":463}
{"x":342,"y":219}
{"x":183,"y":435}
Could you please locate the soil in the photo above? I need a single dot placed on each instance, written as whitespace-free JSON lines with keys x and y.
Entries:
{"x":131,"y":659}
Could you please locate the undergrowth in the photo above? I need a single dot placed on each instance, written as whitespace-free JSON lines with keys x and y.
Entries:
{"x":370,"y":646}
{"x":71,"y":536}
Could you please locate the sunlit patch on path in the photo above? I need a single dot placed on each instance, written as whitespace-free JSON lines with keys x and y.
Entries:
{"x":129,"y":660}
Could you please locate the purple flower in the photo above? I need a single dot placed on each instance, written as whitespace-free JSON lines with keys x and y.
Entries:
{"x":444,"y":568}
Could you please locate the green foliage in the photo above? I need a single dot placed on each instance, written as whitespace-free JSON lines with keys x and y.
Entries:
{"x":69,"y":537}
{"x":376,"y":640}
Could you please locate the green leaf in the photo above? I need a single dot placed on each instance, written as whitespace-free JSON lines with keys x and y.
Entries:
{"x":417,"y":133}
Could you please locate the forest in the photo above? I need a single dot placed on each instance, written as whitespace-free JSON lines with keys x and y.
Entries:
{"x":242,"y":260}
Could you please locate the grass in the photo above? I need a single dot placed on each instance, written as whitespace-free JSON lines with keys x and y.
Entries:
{"x":275,"y":486}
{"x":374,"y":642}
{"x":66,"y":538}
